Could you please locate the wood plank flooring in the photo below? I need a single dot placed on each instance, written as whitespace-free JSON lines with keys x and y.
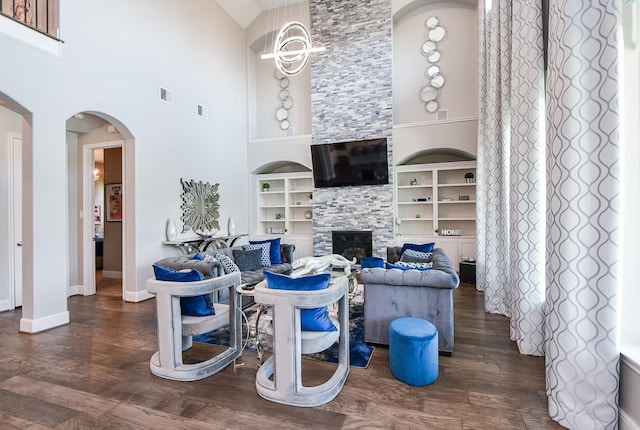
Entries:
{"x":94,"y":374}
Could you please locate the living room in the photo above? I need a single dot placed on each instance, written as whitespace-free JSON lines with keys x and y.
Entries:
{"x":205,"y":59}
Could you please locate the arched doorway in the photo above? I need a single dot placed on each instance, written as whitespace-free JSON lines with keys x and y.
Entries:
{"x":96,"y":139}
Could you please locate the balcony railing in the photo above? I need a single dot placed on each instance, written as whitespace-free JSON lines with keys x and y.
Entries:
{"x":41,"y":15}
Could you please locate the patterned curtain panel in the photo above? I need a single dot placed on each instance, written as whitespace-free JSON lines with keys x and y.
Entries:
{"x":494,"y":120}
{"x":527,"y":206}
{"x":583,"y":220}
{"x":562,"y":301}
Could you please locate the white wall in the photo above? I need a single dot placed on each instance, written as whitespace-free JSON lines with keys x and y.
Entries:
{"x":114,"y":65}
{"x":459,"y":64}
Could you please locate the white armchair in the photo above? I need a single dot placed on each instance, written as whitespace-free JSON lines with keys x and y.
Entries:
{"x":175,"y":330}
{"x":280,"y":377}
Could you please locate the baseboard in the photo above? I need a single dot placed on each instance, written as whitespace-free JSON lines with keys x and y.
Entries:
{"x":42,"y":324}
{"x":5,"y":305}
{"x":75,"y":290}
{"x":112,"y":274}
{"x":625,"y":422}
{"x":137,"y":296}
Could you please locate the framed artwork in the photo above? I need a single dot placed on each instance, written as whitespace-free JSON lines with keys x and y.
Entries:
{"x":114,"y":202}
{"x":97,"y":214}
{"x":23,"y":11}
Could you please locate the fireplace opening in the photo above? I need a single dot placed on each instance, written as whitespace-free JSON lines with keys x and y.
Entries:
{"x":351,"y":244}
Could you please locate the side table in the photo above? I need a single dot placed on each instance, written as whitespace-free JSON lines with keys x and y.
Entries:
{"x":468,"y":272}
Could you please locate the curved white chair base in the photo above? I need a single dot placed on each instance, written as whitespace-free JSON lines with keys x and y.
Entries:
{"x":279,"y":379}
{"x":296,"y":394}
{"x":175,"y":330}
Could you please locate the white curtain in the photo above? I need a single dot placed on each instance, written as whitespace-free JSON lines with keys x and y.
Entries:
{"x":548,"y":210}
{"x":583,"y":219}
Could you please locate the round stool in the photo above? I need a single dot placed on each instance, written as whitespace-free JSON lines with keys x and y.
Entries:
{"x":413,"y":351}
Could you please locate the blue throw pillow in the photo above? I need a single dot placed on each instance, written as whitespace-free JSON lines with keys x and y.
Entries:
{"x":425,"y":247}
{"x":196,"y":306}
{"x":371,"y":262}
{"x":402,"y":265}
{"x":275,"y":252}
{"x":316,"y":319}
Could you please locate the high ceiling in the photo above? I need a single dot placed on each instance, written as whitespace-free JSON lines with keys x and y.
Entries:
{"x":245,"y":11}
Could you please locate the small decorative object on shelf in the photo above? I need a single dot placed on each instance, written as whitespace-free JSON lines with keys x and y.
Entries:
{"x":450,"y":232}
{"x":308,"y":214}
{"x":463,"y":197}
{"x":469,"y":177}
{"x":172,"y":230}
{"x":278,"y":216}
{"x":266,"y":186}
{"x":231,"y":226}
{"x":413,"y":181}
{"x":275,"y":230}
{"x":417,"y":215}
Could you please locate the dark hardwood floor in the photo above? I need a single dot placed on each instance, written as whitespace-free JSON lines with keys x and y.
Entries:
{"x":94,"y":374}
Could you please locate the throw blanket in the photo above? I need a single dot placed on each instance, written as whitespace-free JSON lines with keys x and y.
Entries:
{"x":311,"y":265}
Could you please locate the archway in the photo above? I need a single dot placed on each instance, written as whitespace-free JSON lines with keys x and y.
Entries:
{"x":89,"y":132}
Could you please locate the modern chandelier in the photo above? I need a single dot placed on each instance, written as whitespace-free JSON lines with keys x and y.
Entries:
{"x":292,"y":47}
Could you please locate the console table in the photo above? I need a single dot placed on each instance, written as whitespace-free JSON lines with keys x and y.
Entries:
{"x":191,"y":245}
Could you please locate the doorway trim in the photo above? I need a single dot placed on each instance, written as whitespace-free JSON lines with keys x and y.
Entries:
{"x":11,"y":243}
{"x":88,"y":226}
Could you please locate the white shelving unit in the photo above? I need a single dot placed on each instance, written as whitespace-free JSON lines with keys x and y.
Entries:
{"x":286,"y":209}
{"x":434,"y":197}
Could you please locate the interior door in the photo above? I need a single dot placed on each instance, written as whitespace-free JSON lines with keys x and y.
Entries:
{"x":16,"y":205}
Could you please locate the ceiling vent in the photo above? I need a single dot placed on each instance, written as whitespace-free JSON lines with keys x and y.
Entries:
{"x":166,"y":95}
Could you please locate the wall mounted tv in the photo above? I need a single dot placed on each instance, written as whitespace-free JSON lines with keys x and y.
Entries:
{"x":357,"y":162}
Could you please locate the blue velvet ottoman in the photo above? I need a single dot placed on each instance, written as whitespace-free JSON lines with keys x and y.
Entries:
{"x":413,"y":351}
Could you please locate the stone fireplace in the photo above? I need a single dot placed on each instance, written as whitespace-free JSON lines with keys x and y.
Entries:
{"x":351,"y":99}
{"x":352,"y":243}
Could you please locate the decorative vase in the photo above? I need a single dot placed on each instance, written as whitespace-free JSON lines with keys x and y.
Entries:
{"x":231,"y":226}
{"x":172,"y":231}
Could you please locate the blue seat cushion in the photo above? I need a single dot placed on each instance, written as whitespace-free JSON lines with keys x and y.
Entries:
{"x":196,"y":306}
{"x":315,"y":319}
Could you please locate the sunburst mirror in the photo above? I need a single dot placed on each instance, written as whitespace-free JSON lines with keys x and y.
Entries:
{"x":200,"y":207}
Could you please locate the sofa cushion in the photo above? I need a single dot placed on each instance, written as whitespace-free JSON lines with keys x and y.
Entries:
{"x":316,"y":319}
{"x":248,"y":259}
{"x":275,"y":252}
{"x":196,"y":306}
{"x":266,"y":250}
{"x":210,"y":269}
{"x":413,"y":256}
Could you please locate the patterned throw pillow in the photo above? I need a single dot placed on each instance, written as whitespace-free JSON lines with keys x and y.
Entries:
{"x":266,"y":251}
{"x":227,"y":263}
{"x":413,"y":256}
{"x":407,"y":266}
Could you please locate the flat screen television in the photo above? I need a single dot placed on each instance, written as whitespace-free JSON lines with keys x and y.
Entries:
{"x":357,"y":162}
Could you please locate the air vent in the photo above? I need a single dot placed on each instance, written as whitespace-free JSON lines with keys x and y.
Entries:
{"x":166,"y":95}
{"x":203,"y":111}
{"x":442,"y":114}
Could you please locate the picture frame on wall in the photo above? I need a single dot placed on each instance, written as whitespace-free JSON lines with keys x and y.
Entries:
{"x":97,"y":214}
{"x":113,"y":193}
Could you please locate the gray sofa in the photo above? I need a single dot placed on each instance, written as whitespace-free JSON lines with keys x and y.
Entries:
{"x":395,"y":293}
{"x":214,"y":269}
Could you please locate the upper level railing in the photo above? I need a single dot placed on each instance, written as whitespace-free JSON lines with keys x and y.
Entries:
{"x":41,"y":15}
